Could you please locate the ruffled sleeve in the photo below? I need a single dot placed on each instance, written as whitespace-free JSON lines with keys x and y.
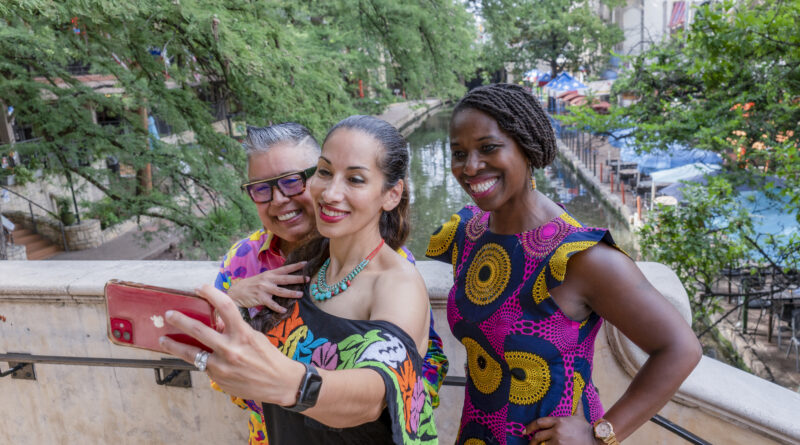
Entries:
{"x":577,"y":241}
{"x":435,"y":365}
{"x":445,"y":242}
{"x":392,"y":354}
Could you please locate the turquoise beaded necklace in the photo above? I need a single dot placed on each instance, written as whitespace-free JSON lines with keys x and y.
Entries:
{"x":322,"y":291}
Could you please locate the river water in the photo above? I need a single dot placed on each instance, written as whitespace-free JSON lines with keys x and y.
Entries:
{"x":435,"y":194}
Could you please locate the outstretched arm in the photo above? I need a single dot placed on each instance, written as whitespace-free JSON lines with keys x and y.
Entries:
{"x":246,"y":364}
{"x":612,"y":286}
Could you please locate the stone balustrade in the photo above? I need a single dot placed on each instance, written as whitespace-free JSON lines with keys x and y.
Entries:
{"x":57,"y":308}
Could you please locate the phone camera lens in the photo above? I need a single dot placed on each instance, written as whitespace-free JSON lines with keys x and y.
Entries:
{"x":116,"y":333}
{"x":126,"y":336}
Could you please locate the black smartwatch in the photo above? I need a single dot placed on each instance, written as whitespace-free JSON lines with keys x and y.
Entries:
{"x":308,"y":392}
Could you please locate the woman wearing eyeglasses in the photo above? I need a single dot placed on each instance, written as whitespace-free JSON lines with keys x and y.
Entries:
{"x":281,"y":158}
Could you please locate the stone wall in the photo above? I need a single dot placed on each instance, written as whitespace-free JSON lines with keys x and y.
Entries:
{"x":81,"y":236}
{"x":84,"y":235}
{"x":56,"y":308}
{"x":42,"y":191}
{"x":16,"y":252}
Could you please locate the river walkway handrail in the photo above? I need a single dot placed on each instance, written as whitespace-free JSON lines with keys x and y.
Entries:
{"x":33,"y":220}
{"x":176,"y":364}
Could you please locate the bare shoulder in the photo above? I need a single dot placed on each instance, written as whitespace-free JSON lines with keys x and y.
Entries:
{"x":601,"y":262}
{"x":402,"y":278}
{"x":400,"y":297}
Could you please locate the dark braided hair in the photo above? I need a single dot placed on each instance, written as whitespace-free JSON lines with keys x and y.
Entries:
{"x":519,"y":114}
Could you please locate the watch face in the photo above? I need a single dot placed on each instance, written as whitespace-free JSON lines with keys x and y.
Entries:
{"x":603,"y":430}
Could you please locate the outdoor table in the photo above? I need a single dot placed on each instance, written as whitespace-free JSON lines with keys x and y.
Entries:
{"x":618,"y":164}
{"x":628,"y":173}
{"x":646,"y":186}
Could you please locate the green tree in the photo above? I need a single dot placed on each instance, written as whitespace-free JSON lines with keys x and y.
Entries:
{"x":564,"y":34}
{"x":699,"y":239}
{"x":730,"y":84}
{"x":260,"y":61}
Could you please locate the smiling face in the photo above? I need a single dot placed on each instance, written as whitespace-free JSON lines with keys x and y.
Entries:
{"x":348,"y":187}
{"x":290,"y":219}
{"x":486,"y":161}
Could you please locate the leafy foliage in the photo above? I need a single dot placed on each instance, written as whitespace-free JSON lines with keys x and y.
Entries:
{"x":731,"y":84}
{"x":566,"y":35}
{"x":193,"y":62}
{"x":699,"y":239}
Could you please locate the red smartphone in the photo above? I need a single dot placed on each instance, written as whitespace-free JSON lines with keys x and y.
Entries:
{"x":136,"y":314}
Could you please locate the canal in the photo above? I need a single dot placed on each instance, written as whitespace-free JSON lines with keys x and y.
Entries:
{"x":435,"y":194}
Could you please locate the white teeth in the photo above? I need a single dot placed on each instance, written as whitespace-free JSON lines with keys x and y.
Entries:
{"x":332,"y":212}
{"x":288,"y":216}
{"x":483,"y":186}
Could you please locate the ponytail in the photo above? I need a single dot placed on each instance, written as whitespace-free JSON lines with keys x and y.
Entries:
{"x":394,"y":224}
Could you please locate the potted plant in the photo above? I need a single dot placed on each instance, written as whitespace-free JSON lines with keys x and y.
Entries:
{"x":65,"y":213}
{"x":7,"y":176}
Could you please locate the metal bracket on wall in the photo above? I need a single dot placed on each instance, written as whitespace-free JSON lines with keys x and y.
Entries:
{"x":20,"y":369}
{"x":179,"y":378}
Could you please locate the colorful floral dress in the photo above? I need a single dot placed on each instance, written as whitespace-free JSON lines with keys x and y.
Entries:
{"x":525,"y":358}
{"x":311,"y":335}
{"x":260,"y":252}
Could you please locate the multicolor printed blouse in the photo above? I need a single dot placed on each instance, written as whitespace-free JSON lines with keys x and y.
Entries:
{"x":525,"y":358}
{"x":311,"y":335}
{"x":260,"y":252}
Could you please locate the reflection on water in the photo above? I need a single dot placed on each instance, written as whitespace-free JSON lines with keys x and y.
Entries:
{"x":435,"y":194}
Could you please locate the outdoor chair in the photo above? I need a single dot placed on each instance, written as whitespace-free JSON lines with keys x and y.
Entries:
{"x":781,"y":328}
{"x":794,"y":341}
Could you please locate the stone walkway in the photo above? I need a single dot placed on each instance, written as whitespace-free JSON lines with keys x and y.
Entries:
{"x":403,"y":115}
{"x":592,"y":165}
{"x":132,"y":245}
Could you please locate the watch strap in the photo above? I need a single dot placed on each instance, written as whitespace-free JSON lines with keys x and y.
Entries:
{"x":610,"y":439}
{"x":308,"y":391}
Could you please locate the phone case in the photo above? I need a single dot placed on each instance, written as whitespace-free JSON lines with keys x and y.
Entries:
{"x":136,"y":314}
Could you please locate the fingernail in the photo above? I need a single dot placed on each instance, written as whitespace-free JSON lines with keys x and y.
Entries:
{"x":169,"y":313}
{"x":162,"y":340}
{"x":282,"y":309}
{"x":308,"y":279}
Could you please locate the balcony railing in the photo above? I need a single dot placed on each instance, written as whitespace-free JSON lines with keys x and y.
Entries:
{"x":174,"y":372}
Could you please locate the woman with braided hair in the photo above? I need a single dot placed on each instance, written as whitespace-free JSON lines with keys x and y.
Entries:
{"x":532,"y":287}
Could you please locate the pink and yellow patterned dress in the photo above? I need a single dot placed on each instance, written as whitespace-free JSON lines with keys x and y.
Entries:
{"x":525,"y":358}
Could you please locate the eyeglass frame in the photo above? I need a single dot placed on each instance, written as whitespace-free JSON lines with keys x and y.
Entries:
{"x":273,"y":182}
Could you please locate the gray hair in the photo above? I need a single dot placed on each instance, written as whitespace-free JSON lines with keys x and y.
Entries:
{"x":262,"y":139}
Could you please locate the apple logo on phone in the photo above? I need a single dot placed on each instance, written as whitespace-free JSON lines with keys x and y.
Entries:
{"x":158,"y":321}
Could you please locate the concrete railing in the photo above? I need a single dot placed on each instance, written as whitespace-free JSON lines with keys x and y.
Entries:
{"x":56,"y":308}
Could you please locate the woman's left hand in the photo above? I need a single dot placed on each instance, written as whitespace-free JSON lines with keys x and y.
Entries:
{"x":573,"y":430}
{"x":244,"y":363}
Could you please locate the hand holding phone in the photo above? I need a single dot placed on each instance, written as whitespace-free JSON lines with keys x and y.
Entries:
{"x":136,"y":314}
